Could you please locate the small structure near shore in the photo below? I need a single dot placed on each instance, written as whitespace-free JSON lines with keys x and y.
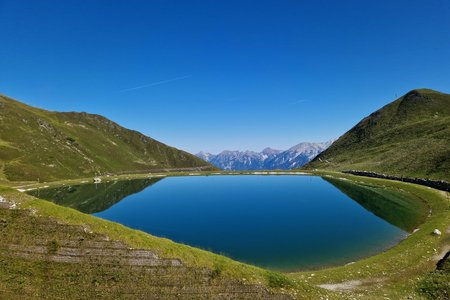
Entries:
{"x":97,"y":180}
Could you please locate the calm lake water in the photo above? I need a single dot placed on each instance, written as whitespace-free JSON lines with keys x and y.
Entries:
{"x":280,"y":222}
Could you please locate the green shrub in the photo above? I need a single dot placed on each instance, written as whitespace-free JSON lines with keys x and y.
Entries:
{"x":277,"y":280}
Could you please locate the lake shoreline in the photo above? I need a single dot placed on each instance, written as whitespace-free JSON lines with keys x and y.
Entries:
{"x":174,"y":207}
{"x":398,"y":268}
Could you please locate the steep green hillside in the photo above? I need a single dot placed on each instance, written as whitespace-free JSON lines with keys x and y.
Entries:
{"x":39,"y":144}
{"x":409,"y":137}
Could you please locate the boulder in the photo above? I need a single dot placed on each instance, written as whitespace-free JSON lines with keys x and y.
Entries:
{"x":437,"y":232}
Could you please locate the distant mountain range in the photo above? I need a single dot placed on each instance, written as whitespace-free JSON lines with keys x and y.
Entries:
{"x":409,"y":137}
{"x":267,"y":159}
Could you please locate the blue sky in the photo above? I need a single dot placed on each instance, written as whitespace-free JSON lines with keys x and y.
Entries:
{"x":215,"y":75}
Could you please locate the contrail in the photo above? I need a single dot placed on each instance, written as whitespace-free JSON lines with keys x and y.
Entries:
{"x":298,"y":101}
{"x":155,"y":83}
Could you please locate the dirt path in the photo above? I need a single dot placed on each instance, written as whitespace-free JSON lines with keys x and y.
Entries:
{"x":349,"y":285}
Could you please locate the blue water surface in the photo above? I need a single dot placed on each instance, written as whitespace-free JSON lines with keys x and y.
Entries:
{"x":280,"y":222}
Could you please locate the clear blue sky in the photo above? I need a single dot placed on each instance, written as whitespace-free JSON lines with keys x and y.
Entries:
{"x":215,"y":75}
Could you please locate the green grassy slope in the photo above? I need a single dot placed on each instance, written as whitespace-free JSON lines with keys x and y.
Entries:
{"x":408,"y":137}
{"x":36,"y":143}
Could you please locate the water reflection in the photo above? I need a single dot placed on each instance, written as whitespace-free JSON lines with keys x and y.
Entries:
{"x":403,"y":212}
{"x":279,"y":222}
{"x":94,"y":198}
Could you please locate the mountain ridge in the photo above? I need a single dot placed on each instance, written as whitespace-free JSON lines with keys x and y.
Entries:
{"x":36,"y":144}
{"x":267,"y":159}
{"x":408,"y":137}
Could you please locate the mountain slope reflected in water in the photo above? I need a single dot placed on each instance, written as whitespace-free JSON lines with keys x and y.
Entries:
{"x":94,"y":198}
{"x":404,"y":213}
{"x":400,"y":211}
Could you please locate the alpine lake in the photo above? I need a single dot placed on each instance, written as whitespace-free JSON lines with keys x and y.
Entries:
{"x":281,"y":222}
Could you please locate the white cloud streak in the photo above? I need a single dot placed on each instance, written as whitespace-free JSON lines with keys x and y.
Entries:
{"x":299,"y":101}
{"x":155,"y":83}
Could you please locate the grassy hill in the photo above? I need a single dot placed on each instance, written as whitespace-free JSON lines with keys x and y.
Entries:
{"x":409,"y":137}
{"x":39,"y":144}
